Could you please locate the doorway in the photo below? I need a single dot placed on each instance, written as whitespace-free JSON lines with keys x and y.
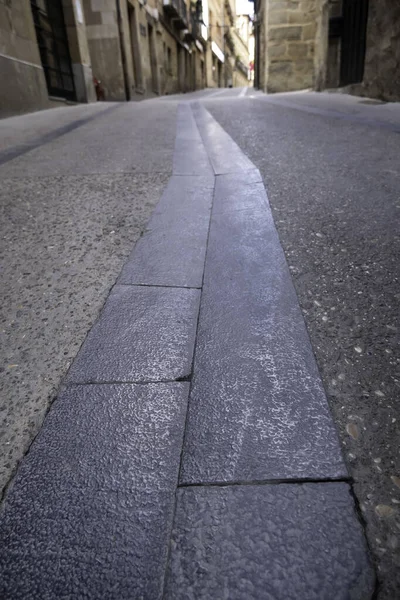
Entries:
{"x":51,"y":34}
{"x":353,"y":43}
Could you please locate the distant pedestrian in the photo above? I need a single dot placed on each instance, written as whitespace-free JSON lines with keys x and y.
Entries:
{"x":99,"y":89}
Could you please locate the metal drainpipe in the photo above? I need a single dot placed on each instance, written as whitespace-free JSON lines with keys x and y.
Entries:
{"x":223,"y":43}
{"x":123,"y":54}
{"x":256,"y":26}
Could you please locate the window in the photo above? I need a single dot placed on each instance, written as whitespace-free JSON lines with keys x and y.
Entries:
{"x":169,"y":61}
{"x":48,"y":18}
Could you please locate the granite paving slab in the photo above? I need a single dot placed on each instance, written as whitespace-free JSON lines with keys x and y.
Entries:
{"x":257,"y":409}
{"x":274,"y":542}
{"x":172,"y":250}
{"x":90,"y":512}
{"x":186,"y":193}
{"x":190,"y":156}
{"x":251,"y":175}
{"x":224,"y":154}
{"x":142,"y":334}
{"x":232,"y":194}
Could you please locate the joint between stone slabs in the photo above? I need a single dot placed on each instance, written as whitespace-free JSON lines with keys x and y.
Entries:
{"x":243,"y":174}
{"x":181,"y":379}
{"x":371,"y":556}
{"x":158,"y":285}
{"x":230,"y":210}
{"x":9,"y":484}
{"x":196,"y":176}
{"x":190,"y":389}
{"x":265,"y":482}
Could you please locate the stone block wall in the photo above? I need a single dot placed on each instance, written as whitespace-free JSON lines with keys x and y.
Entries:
{"x":23,"y":85}
{"x":24,"y":88}
{"x":295,"y":51}
{"x":292,"y":39}
{"x":382,"y":59}
{"x":79,"y":50}
{"x":104,"y":46}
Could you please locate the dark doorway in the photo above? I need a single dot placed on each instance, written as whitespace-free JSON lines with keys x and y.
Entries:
{"x":51,"y":34}
{"x":353,"y":41}
{"x":219,"y":63}
{"x":181,"y":67}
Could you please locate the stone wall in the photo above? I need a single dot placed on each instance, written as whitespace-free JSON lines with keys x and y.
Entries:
{"x":293,"y":44}
{"x":23,"y":85}
{"x":382,"y":59}
{"x":295,"y":52}
{"x":240,"y":73}
{"x":20,"y":63}
{"x":104,"y":46}
{"x":79,"y":50}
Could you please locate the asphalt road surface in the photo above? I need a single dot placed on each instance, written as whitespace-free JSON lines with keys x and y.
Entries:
{"x":76,"y":196}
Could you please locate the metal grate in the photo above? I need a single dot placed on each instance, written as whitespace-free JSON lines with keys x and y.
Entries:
{"x":353,"y":34}
{"x":52,"y":40}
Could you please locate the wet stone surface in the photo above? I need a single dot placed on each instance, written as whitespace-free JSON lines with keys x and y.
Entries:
{"x":143,"y":334}
{"x":224,"y":154}
{"x":173,"y":247}
{"x":257,"y":407}
{"x":275,"y":542}
{"x":90,"y":511}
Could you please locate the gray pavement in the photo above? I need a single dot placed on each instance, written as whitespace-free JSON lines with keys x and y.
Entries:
{"x":179,"y":464}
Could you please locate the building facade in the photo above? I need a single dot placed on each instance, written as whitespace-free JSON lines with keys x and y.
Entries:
{"x":54,"y":51}
{"x":319,"y":44}
{"x":242,"y":35}
{"x":40,"y":64}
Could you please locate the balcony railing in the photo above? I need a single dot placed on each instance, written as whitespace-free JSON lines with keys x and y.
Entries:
{"x":177,"y":10}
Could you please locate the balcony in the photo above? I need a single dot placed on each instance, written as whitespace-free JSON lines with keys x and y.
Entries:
{"x":230,"y":13}
{"x":177,"y":12}
{"x":195,"y":31}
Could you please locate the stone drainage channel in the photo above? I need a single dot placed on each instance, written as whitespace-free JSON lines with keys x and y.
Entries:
{"x":191,"y":452}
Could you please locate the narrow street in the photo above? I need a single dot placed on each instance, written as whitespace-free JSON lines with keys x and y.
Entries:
{"x":200,"y":348}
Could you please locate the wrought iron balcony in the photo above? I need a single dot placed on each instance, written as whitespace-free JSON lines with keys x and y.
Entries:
{"x":177,"y":11}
